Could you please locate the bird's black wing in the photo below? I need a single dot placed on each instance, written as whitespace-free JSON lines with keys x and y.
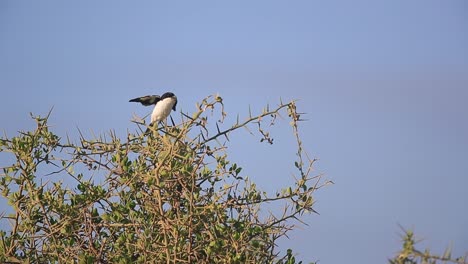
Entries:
{"x":147,"y":100}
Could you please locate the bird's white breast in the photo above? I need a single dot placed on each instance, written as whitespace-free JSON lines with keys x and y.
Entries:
{"x":162,"y":109}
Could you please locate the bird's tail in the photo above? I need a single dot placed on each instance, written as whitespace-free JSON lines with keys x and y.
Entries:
{"x":152,"y":128}
{"x":149,"y":129}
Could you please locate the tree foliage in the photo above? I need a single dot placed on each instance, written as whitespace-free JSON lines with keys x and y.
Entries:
{"x":169,"y":195}
{"x":410,"y":255}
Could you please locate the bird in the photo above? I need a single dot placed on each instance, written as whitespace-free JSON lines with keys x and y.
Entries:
{"x":163,"y":105}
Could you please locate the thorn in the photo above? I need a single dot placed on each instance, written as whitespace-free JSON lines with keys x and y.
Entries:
{"x":172,"y":120}
{"x":50,"y":111}
{"x":187,"y":116}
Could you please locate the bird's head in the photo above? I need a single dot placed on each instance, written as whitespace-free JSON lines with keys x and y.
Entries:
{"x":170,"y":96}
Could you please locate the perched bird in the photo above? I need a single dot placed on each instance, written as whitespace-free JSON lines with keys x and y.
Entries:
{"x":163,"y":105}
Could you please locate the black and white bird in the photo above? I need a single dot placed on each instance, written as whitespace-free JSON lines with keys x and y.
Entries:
{"x":163,"y":105}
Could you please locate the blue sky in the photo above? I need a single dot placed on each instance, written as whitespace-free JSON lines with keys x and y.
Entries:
{"x":384,"y":85}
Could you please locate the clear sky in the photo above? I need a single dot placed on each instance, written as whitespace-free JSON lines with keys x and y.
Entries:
{"x":384,"y":85}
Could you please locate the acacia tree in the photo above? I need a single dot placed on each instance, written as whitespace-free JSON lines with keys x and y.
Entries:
{"x":168,"y":195}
